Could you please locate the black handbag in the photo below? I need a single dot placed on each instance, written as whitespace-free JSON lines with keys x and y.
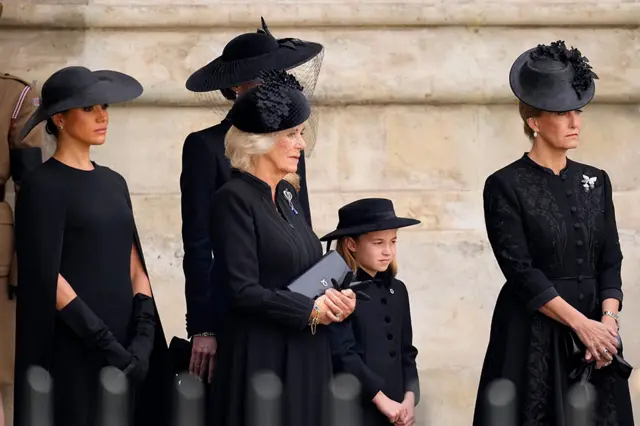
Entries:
{"x":180,"y":354}
{"x":318,"y":279}
{"x":579,"y":369}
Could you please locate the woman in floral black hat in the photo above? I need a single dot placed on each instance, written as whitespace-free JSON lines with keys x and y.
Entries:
{"x":551,"y":224}
{"x":262,"y":243}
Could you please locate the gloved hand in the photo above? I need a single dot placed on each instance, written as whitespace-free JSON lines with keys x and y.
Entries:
{"x":346,"y":282}
{"x":94,"y":333}
{"x":141,"y":346}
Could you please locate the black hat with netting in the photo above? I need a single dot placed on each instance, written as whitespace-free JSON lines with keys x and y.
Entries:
{"x":242,"y":61}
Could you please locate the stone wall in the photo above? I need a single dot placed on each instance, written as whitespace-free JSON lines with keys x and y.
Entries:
{"x":415,"y":107}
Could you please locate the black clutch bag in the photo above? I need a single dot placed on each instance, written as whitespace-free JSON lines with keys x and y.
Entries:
{"x":579,"y":369}
{"x":317,"y":279}
{"x":180,"y":355}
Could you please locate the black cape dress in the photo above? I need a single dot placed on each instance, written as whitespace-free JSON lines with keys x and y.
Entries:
{"x":552,"y":235}
{"x":79,"y":224}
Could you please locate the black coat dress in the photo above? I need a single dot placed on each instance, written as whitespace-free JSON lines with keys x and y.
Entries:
{"x":375,"y":344}
{"x":78,"y":224}
{"x":260,"y":248}
{"x":205,"y":168}
{"x":552,"y":235}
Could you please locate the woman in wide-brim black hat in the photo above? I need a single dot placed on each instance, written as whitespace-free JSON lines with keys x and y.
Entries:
{"x":84,"y":298}
{"x":551,"y":224}
{"x":205,"y":168}
{"x":376,"y":344}
{"x":262,"y":243}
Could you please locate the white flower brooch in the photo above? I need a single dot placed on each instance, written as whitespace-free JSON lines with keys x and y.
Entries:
{"x":588,"y":182}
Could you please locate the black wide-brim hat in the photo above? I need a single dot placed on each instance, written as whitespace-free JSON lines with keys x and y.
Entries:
{"x":244,"y":57}
{"x":79,"y":87}
{"x":367,"y":215}
{"x":553,"y":78}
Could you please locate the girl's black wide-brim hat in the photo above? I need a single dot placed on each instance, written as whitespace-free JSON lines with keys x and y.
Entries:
{"x":367,"y":215}
{"x":553,"y":78}
{"x":78,"y":87}
{"x":244,"y":57}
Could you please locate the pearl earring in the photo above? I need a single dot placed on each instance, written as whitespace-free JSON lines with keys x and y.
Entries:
{"x":61,"y":127}
{"x":535,"y":134}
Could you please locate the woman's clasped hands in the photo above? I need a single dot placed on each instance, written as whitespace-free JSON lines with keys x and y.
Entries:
{"x":335,"y":306}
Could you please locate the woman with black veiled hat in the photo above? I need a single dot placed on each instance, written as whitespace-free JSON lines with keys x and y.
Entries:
{"x":551,"y":224}
{"x":262,"y":243}
{"x":84,"y":298}
{"x":205,"y":169}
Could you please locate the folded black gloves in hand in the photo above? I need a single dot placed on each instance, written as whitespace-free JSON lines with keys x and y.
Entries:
{"x":95,"y":334}
{"x":346,"y":282}
{"x":141,"y":346}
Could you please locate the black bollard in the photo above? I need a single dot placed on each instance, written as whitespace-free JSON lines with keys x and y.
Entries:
{"x":345,"y":401}
{"x":38,"y":404}
{"x":114,"y":398}
{"x":581,"y":398}
{"x":501,"y":403}
{"x":266,"y":396}
{"x":189,"y":398}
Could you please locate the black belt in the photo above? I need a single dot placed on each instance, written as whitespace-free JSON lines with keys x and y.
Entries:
{"x":574,"y":278}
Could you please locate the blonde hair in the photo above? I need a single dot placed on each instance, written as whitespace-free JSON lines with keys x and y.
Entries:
{"x":242,"y":149}
{"x":350,"y":259}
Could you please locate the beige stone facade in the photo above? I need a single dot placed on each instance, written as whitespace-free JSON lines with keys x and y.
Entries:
{"x":415,"y":107}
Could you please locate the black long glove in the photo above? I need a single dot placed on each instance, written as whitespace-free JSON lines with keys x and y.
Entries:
{"x":144,"y":326}
{"x":95,"y":334}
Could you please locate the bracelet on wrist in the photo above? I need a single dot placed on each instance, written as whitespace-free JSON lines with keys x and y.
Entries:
{"x":205,"y":334}
{"x":315,"y":320}
{"x":613,"y":315}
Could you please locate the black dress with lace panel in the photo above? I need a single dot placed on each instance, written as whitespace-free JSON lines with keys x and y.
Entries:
{"x":552,"y":235}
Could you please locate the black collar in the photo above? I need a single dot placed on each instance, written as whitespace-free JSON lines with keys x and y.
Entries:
{"x":381,"y":278}
{"x":255,"y":182}
{"x":528,"y":161}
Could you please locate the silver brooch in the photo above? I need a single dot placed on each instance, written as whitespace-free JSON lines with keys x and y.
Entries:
{"x":289,"y":196}
{"x":588,"y":182}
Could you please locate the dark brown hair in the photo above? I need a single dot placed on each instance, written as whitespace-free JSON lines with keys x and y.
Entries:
{"x":51,"y":128}
{"x":526,"y":112}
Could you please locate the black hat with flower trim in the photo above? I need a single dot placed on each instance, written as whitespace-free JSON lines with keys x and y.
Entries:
{"x":553,"y":78}
{"x":278,"y":103}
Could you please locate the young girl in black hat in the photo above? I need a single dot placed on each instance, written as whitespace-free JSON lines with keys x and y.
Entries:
{"x":551,"y":224}
{"x":375,"y":344}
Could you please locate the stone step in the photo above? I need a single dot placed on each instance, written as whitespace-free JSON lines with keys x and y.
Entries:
{"x":379,"y":148}
{"x":305,"y":13}
{"x":443,"y":65}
